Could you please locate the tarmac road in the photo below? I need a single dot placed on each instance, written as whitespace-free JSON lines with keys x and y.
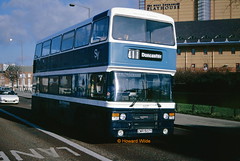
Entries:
{"x":195,"y":138}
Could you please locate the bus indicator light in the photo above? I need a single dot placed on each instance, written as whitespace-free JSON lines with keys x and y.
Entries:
{"x":115,"y":116}
{"x":171,"y":116}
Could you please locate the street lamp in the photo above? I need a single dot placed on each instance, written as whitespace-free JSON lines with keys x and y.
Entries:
{"x":21,"y":44}
{"x":21,"y":75}
{"x":73,"y":5}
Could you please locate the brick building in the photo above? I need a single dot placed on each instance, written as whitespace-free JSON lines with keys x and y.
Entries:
{"x":204,"y":45}
{"x":194,"y":10}
{"x":24,"y":81}
{"x":208,"y":32}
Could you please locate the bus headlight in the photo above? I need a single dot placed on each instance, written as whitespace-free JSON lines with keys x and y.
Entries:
{"x":165,"y":131}
{"x":170,"y":116}
{"x":120,"y":132}
{"x":123,"y":116}
{"x":165,"y":116}
{"x":118,"y":116}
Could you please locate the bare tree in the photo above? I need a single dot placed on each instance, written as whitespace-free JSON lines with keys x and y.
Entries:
{"x":12,"y":73}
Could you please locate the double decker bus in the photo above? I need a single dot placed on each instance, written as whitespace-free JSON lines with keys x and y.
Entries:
{"x":109,"y":75}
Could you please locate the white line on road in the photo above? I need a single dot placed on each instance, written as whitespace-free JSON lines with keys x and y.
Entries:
{"x":79,"y":147}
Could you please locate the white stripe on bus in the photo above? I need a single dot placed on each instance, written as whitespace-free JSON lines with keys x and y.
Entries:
{"x":109,"y":104}
{"x":105,"y":69}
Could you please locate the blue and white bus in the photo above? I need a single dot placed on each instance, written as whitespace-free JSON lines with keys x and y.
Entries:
{"x":110,"y":75}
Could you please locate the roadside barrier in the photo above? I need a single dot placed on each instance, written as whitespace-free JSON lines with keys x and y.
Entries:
{"x":209,"y":111}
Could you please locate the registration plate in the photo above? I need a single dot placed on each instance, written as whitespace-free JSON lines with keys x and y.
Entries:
{"x":143,"y":131}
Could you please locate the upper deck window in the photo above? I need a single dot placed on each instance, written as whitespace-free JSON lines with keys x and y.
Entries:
{"x":141,"y":30}
{"x":67,"y":41}
{"x":82,"y":36}
{"x":100,"y":30}
{"x":46,"y":48}
{"x":38,"y":50}
{"x":56,"y":43}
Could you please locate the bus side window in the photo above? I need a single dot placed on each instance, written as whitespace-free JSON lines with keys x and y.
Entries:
{"x":67,"y":41}
{"x":100,"y":30}
{"x":82,"y":36}
{"x":65,"y":85}
{"x":97,"y":86}
{"x":43,"y":84}
{"x":53,"y":84}
{"x":35,"y":86}
{"x":46,"y":48}
{"x":38,"y":50}
{"x":56,"y":43}
{"x":79,"y":85}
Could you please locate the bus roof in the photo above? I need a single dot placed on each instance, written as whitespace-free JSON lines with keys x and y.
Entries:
{"x":141,"y":14}
{"x":130,"y":12}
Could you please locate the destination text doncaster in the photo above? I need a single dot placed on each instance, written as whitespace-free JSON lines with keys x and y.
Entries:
{"x":155,"y":56}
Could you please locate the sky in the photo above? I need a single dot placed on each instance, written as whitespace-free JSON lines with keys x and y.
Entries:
{"x":24,"y":22}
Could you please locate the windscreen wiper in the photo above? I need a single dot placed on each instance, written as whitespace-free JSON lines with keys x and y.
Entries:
{"x":158,"y":104}
{"x":136,"y":100}
{"x":133,"y":103}
{"x":138,"y":96}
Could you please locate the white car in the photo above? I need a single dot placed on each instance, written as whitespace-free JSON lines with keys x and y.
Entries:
{"x":9,"y":97}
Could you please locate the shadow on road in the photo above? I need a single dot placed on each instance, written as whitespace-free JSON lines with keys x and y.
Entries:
{"x":202,"y":142}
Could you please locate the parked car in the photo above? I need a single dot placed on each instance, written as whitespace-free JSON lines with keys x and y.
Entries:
{"x":5,"y":89}
{"x":9,"y":97}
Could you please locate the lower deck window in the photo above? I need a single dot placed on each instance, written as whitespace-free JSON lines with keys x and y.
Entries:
{"x":43,"y":85}
{"x":53,"y":84}
{"x":113,"y":86}
{"x":97,"y":86}
{"x":65,"y":85}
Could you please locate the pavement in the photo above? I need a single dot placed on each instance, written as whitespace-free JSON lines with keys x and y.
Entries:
{"x":182,"y":119}
{"x":27,"y":94}
{"x":192,"y":120}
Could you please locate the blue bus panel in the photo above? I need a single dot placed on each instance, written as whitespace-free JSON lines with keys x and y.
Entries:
{"x":112,"y":54}
{"x":142,"y":56}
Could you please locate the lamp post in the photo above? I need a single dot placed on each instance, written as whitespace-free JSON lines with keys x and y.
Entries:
{"x":21,"y":44}
{"x":21,"y":75}
{"x":73,"y":5}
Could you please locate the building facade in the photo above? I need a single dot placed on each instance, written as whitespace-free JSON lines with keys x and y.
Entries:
{"x":194,"y":10}
{"x":3,"y":80}
{"x":24,"y":81}
{"x":25,"y":78}
{"x":208,"y":32}
{"x":205,"y":45}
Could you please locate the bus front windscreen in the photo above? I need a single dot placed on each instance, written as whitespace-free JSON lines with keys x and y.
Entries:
{"x":141,"y":30}
{"x":142,"y":87}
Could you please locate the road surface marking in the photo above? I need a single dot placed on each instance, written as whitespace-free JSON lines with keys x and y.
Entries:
{"x":51,"y":152}
{"x":79,"y":147}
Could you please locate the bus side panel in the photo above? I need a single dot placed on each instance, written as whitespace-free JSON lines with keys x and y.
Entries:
{"x":119,"y":57}
{"x":91,"y":122}
{"x":96,"y":55}
{"x":94,"y":122}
